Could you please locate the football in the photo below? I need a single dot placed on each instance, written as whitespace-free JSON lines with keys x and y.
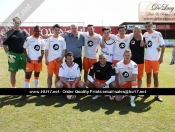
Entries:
{"x":71,"y":97}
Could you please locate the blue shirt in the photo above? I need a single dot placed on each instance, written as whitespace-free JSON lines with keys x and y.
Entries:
{"x":74,"y":44}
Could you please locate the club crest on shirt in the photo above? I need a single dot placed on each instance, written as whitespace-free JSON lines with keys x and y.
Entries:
{"x":112,"y":66}
{"x":135,"y":66}
{"x":132,"y":41}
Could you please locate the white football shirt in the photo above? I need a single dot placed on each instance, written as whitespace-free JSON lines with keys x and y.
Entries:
{"x":69,"y":73}
{"x":55,"y":47}
{"x":91,"y":44}
{"x":153,"y":41}
{"x":109,"y":49}
{"x":125,"y":71}
{"x":121,"y":45}
{"x":34,"y":46}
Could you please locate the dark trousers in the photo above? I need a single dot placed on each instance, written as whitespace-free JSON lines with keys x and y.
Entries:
{"x":78,"y":61}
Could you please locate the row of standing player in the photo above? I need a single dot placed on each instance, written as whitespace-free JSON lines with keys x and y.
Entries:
{"x":91,"y":42}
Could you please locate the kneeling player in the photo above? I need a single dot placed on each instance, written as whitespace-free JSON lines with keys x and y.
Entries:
{"x":69,"y":74}
{"x":126,"y":74}
{"x":104,"y":75}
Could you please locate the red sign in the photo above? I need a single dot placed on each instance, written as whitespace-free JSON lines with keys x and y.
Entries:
{"x":48,"y":30}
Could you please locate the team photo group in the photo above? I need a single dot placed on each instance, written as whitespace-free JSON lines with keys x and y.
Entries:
{"x":108,"y":61}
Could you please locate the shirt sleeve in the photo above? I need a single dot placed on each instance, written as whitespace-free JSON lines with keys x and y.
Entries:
{"x":63,"y":35}
{"x":83,"y":40}
{"x":83,"y":33}
{"x":47,"y":44}
{"x":92,"y":71}
{"x":26,"y":43}
{"x":100,"y":39}
{"x":64,"y":44}
{"x":131,"y":35}
{"x":6,"y":39}
{"x":135,"y":69}
{"x":112,"y":71}
{"x":160,"y":39}
{"x":61,"y":71}
{"x":116,"y":68}
{"x":42,"y":44}
{"x":78,"y":73}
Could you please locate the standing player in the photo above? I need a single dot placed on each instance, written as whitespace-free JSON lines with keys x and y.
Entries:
{"x":54,"y":54}
{"x":69,"y":74}
{"x":153,"y":40}
{"x":35,"y":46}
{"x":13,"y":47}
{"x":137,"y":54}
{"x":92,"y":42}
{"x":126,"y":74}
{"x":108,"y":44}
{"x":173,"y":55}
{"x":122,"y":43}
{"x":104,"y":73}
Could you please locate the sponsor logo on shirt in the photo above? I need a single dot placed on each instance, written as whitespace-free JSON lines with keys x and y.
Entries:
{"x":133,"y":42}
{"x":129,"y":68}
{"x":37,"y":47}
{"x":125,"y":40}
{"x":154,"y":37}
{"x":90,"y":43}
{"x":125,"y":74}
{"x":55,"y":46}
{"x":149,"y":43}
{"x":15,"y":36}
{"x":122,"y":45}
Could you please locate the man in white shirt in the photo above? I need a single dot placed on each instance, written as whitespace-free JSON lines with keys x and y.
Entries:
{"x":69,"y":74}
{"x":54,"y":54}
{"x":108,"y":44}
{"x":126,"y":75}
{"x":153,"y":40}
{"x":91,"y":44}
{"x":35,"y":46}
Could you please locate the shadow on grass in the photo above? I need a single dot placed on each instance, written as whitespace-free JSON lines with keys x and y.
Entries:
{"x":84,"y":103}
{"x":123,"y":106}
{"x":39,"y":101}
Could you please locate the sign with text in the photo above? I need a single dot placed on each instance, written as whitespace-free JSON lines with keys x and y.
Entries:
{"x":154,"y":11}
{"x":142,"y":27}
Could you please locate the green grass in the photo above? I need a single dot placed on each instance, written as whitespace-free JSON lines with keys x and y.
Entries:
{"x":57,"y":114}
